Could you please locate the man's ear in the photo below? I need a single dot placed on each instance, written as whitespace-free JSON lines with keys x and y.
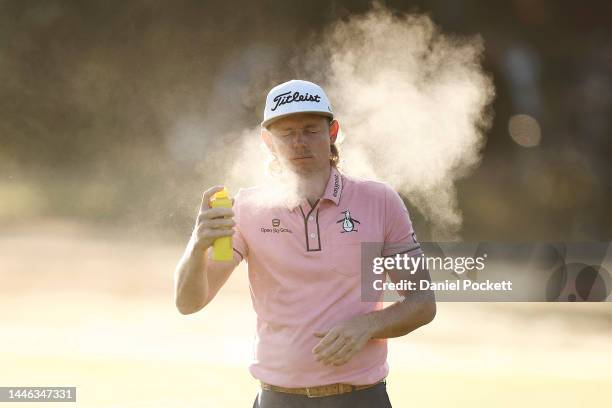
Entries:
{"x":265,"y":136}
{"x":334,"y":128}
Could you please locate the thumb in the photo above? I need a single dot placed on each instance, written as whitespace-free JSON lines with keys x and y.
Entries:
{"x":207,"y":196}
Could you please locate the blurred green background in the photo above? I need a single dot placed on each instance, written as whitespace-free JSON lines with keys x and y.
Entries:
{"x":91,"y":91}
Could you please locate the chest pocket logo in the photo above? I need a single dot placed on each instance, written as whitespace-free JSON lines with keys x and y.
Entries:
{"x":348,"y":222}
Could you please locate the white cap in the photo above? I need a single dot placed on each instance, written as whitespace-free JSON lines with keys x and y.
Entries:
{"x":295,"y":96}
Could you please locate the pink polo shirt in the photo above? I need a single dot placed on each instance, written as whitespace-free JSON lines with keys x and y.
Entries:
{"x":304,"y":268}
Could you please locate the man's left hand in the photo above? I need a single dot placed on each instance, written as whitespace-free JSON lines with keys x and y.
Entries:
{"x":340,"y":343}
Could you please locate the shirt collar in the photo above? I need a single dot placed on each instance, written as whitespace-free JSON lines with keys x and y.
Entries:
{"x":333,"y":190}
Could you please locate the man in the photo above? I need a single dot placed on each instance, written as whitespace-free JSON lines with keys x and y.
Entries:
{"x":318,"y":344}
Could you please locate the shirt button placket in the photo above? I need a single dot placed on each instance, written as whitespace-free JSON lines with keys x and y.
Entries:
{"x":313,"y":243}
{"x":313,"y":238}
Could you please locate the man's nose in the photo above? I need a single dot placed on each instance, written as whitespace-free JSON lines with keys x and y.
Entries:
{"x":299,"y":138}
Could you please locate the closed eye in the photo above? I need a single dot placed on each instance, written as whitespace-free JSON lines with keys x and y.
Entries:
{"x":285,"y":133}
{"x":291,"y":133}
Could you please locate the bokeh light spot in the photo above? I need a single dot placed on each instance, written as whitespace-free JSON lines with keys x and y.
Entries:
{"x":524,"y":130}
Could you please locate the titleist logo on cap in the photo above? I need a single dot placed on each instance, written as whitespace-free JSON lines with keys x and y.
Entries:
{"x":288,"y":97}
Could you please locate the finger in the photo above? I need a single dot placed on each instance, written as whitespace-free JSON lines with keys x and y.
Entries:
{"x":219,"y":212}
{"x":320,"y":334}
{"x":342,"y":355}
{"x":351,"y":351}
{"x":205,"y":231}
{"x":205,"y":218}
{"x":326,"y":355}
{"x":331,"y":347}
{"x":220,"y":223}
{"x":206,"y":196}
{"x":327,"y":340}
{"x":211,"y":234}
{"x":345,"y":358}
{"x":356,"y":347}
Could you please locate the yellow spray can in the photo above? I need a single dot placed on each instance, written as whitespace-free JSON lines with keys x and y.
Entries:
{"x":222,"y":247}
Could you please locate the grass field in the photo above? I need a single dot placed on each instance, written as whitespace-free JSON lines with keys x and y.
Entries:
{"x":92,"y":308}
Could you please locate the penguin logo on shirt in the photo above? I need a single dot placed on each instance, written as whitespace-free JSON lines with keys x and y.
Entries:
{"x":348,"y":222}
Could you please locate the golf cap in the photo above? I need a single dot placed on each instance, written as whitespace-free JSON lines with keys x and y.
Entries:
{"x":295,"y":96}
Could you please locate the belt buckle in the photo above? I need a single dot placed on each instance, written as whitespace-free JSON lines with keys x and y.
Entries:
{"x":308,"y":393}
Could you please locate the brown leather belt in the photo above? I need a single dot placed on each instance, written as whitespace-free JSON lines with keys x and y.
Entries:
{"x":319,"y":391}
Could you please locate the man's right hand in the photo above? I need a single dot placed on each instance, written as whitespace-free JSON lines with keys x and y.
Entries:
{"x":212,"y":223}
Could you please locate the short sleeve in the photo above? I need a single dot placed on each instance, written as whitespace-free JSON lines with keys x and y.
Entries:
{"x":239,"y":243}
{"x":399,"y":234}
